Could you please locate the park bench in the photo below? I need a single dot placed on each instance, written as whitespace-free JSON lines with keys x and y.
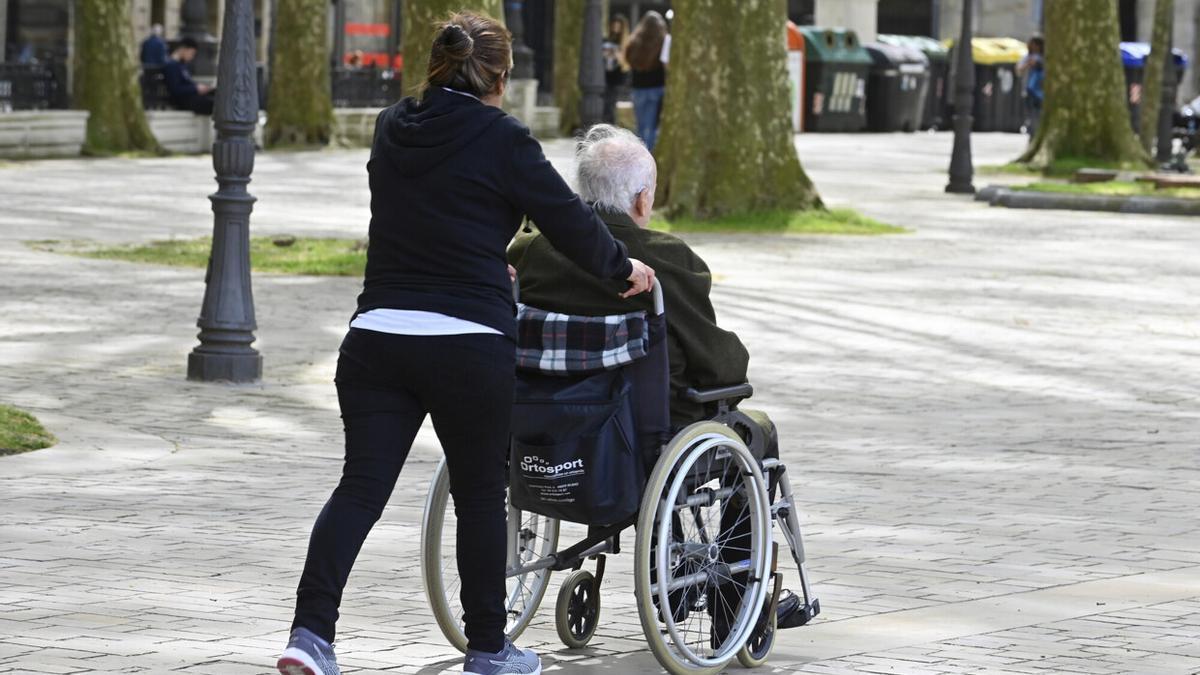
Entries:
{"x":29,"y":86}
{"x":1170,"y":180}
{"x":154,"y":89}
{"x":1094,"y":176}
{"x":365,"y":87}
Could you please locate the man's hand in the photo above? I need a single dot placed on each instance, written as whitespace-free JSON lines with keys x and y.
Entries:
{"x":512,"y":274}
{"x":640,"y":280}
{"x":203,"y":89}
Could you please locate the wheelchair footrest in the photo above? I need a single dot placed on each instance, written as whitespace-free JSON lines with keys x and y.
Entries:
{"x":794,"y":612}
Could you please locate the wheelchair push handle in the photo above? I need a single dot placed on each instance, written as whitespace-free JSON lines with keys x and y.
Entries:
{"x":656,"y":293}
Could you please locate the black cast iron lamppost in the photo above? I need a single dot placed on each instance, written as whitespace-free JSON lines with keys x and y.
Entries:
{"x":227,"y":316}
{"x":961,"y":168}
{"x":522,"y":54}
{"x":591,"y":65}
{"x":194,"y":24}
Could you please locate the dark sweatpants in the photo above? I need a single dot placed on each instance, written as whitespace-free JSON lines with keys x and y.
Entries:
{"x":201,"y":104}
{"x":386,"y":385}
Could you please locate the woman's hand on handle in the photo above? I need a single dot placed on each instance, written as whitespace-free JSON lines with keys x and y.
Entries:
{"x":640,"y":280}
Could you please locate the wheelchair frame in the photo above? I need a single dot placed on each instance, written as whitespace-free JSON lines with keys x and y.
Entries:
{"x":577,"y":612}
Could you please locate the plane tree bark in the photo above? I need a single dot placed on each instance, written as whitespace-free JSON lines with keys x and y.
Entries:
{"x":726,"y":144}
{"x":1156,"y":64}
{"x":106,"y":81}
{"x":1085,"y":113}
{"x":568,"y":38}
{"x":300,"y":102}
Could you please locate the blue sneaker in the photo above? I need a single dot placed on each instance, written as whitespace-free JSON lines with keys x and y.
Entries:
{"x":307,"y":654}
{"x":511,"y":659}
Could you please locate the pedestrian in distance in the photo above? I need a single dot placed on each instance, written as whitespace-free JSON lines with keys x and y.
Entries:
{"x":647,"y":53}
{"x":616,"y":69}
{"x":154,"y":48}
{"x":1033,"y":68}
{"x":451,"y":176}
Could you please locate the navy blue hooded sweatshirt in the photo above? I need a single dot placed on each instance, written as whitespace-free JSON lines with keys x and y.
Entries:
{"x":451,"y":179}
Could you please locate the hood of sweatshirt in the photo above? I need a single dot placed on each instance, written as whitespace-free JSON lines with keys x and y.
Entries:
{"x":416,"y":136}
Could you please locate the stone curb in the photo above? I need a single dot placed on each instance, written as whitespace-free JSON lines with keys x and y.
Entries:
{"x":997,"y":195}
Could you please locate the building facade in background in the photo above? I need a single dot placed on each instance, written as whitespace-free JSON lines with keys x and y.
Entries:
{"x":368,"y":33}
{"x":42,"y":32}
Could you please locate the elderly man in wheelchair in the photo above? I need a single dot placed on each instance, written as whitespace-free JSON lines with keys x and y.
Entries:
{"x":626,"y":415}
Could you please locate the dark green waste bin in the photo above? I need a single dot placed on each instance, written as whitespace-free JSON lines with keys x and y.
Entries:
{"x":934,"y":112}
{"x":835,"y":80}
{"x":896,"y":87}
{"x":999,"y":94}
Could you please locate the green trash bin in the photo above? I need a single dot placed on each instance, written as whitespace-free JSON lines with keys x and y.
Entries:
{"x":938,"y":91}
{"x":835,"y":80}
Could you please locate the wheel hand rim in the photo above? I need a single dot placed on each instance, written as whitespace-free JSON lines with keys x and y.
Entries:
{"x":757,"y":502}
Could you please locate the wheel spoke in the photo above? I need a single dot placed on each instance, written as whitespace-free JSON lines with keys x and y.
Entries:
{"x":703,"y":540}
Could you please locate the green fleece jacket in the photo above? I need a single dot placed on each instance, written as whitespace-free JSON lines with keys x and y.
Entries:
{"x":701,"y":353}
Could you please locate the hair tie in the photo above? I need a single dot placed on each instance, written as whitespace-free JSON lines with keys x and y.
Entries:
{"x":448,"y":36}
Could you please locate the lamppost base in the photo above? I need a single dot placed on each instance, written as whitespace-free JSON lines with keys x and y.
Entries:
{"x":960,"y":189}
{"x":242,"y":366}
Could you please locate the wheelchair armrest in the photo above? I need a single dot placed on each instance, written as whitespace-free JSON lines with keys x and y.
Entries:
{"x":718,"y":393}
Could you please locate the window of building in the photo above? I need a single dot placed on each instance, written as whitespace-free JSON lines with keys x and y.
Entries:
{"x":906,"y":17}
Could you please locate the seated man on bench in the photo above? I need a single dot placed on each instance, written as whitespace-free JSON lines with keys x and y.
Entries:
{"x":184,"y":92}
{"x":617,"y":174}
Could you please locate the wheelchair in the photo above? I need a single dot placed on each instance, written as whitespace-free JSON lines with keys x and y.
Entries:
{"x":706,"y":597}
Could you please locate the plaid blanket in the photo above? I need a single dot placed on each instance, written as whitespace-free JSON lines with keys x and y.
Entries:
{"x":565,"y":344}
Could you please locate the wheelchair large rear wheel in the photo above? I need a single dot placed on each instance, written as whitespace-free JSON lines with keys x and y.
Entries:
{"x":534,"y":536}
{"x":700,"y":595}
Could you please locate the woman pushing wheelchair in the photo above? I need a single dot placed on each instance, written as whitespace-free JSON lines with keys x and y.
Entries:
{"x":451,"y":177}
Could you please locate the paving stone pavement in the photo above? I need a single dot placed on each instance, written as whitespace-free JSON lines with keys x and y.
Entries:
{"x":993,"y":420}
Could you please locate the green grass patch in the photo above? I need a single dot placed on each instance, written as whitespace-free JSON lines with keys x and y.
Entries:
{"x":348,"y":257}
{"x":1113,"y":189}
{"x":21,"y":432}
{"x":1061,"y":167}
{"x":309,"y":256}
{"x":1012,"y":168}
{"x":814,"y":221}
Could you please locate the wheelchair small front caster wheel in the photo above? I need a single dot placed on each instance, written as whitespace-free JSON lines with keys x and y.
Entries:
{"x":760,"y":643}
{"x":577,"y":612}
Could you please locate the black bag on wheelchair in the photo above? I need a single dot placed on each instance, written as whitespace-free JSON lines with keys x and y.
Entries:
{"x":574,"y":453}
{"x":589,"y":413}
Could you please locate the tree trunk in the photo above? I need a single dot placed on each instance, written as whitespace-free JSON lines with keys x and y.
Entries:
{"x":419,"y":19}
{"x":300,"y":103}
{"x":1085,"y":113}
{"x":106,"y":78}
{"x":568,"y":36}
{"x":1156,"y":64}
{"x":726,"y":144}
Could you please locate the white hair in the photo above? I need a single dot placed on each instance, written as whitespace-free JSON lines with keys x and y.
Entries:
{"x":613,"y":166}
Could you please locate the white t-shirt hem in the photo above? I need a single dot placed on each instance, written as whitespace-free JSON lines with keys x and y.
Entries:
{"x":417,"y":322}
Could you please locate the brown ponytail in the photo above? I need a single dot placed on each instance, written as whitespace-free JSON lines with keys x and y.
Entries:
{"x":644,"y":48}
{"x":471,"y":53}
